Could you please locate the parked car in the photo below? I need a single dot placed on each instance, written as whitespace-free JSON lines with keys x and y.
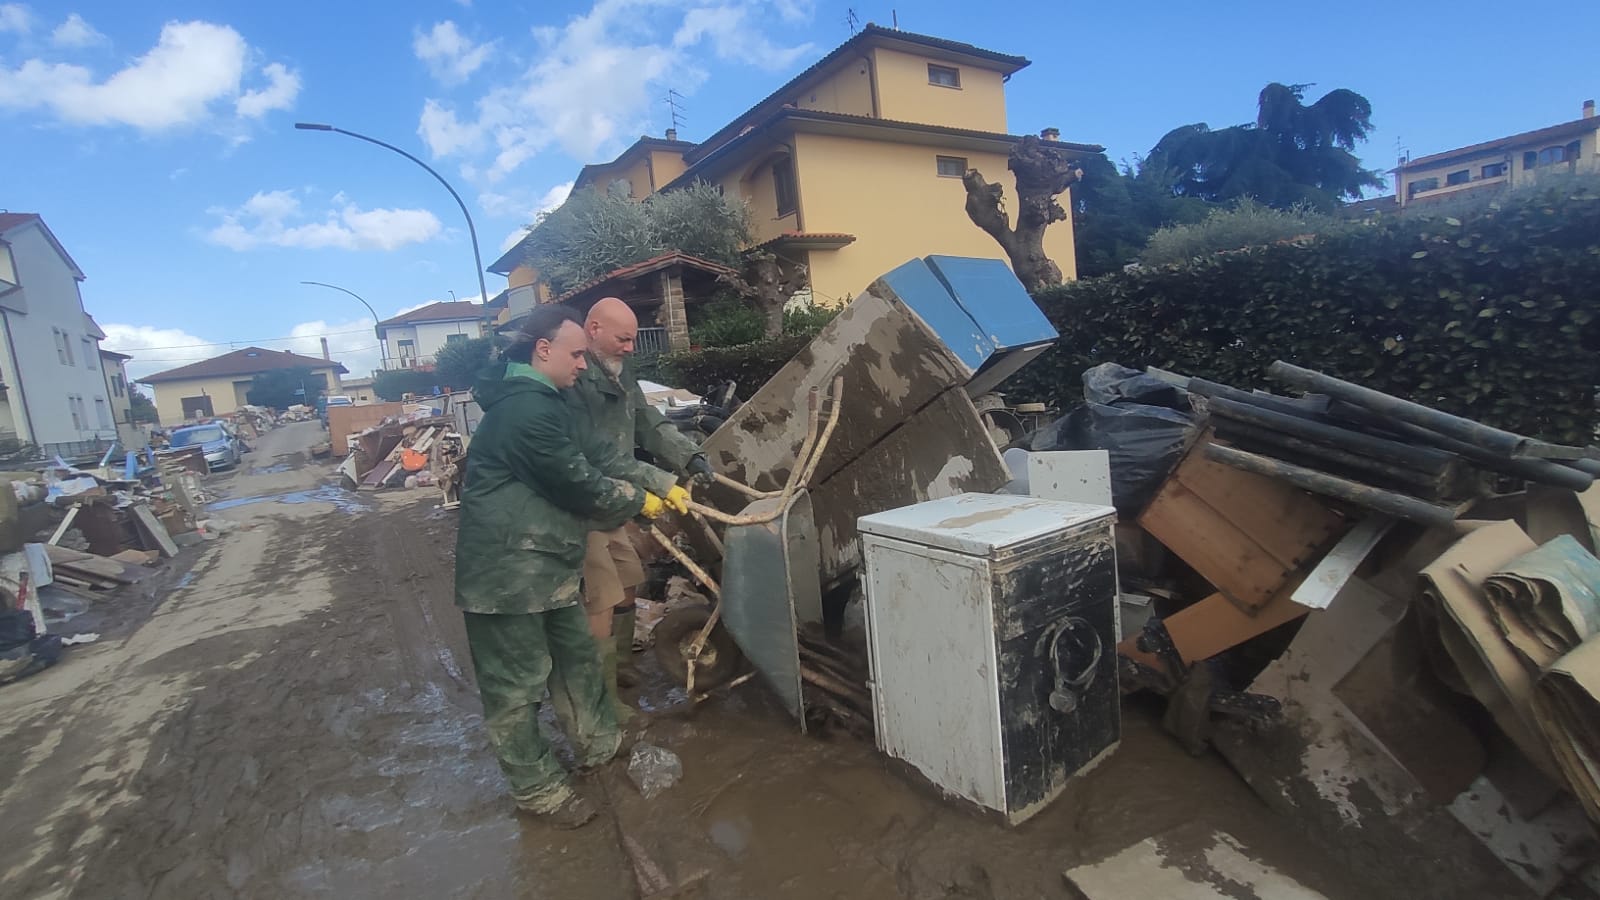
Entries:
{"x":220,"y":446}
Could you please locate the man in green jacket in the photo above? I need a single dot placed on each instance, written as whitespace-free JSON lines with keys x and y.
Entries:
{"x":607,"y":396}
{"x":536,"y":486}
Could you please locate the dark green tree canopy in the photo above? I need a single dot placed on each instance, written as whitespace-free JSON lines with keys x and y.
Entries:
{"x":1293,"y":153}
{"x":277,"y":389}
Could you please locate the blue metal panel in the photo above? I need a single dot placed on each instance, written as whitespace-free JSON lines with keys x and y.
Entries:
{"x":920,"y":288}
{"x":994,"y":299}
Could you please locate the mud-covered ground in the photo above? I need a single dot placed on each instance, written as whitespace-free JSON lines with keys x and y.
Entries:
{"x":295,"y":717}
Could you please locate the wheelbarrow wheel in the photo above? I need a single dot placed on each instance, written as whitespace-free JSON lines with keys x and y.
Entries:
{"x":719,"y":660}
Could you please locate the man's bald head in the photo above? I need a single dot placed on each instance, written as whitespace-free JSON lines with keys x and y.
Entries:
{"x":611,"y":327}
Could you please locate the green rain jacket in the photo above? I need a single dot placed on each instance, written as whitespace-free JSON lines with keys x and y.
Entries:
{"x":537,"y":484}
{"x":620,"y":416}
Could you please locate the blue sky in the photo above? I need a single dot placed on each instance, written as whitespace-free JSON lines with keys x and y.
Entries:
{"x":157,"y":138}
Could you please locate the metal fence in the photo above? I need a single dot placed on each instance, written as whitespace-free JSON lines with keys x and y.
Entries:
{"x":650,"y":342}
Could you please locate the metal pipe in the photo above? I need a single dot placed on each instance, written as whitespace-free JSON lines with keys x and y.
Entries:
{"x":1280,"y":443}
{"x":1497,"y":440}
{"x":745,"y":489}
{"x":711,"y":535}
{"x":1424,"y":459}
{"x":1542,"y":471}
{"x":683,"y":559}
{"x":1398,"y":505}
{"x":1286,"y":405}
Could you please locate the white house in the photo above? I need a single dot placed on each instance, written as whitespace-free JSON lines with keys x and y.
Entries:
{"x":54,"y":391}
{"x":411,"y":339}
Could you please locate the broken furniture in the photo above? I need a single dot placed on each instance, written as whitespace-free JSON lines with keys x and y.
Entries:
{"x":915,"y":347}
{"x":1401,"y":729}
{"x":991,"y":623}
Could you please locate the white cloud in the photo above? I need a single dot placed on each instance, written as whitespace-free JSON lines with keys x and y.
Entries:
{"x":596,"y":79}
{"x":502,"y":205}
{"x":15,"y":18}
{"x":283,"y":86}
{"x":451,"y":56}
{"x":193,"y":67}
{"x":75,"y":32}
{"x":275,"y":219}
{"x":157,"y":349}
{"x":351,"y":342}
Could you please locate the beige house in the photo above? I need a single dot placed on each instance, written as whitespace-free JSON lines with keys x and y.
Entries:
{"x":1508,"y":162}
{"x":851,"y":168}
{"x":216,"y":386}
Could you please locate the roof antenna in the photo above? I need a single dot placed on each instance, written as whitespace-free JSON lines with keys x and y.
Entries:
{"x":851,"y":20}
{"x":675,"y":107}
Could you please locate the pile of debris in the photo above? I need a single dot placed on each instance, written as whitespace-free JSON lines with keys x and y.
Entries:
{"x":400,"y":451}
{"x":1385,"y":617}
{"x":72,"y":537}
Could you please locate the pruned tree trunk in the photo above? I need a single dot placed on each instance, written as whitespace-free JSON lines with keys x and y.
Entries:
{"x":1043,"y":172}
{"x":768,"y":284}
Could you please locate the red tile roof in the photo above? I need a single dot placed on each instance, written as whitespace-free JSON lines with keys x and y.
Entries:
{"x":443,"y":311}
{"x":654,"y":264}
{"x":248,"y":361}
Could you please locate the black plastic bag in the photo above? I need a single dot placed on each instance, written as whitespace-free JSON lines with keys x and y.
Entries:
{"x":1142,"y":423}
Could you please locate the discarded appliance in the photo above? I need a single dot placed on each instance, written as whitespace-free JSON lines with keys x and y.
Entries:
{"x":916,"y":346}
{"x":992,"y":627}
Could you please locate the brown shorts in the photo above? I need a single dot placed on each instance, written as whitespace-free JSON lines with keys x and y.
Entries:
{"x":610,"y":567}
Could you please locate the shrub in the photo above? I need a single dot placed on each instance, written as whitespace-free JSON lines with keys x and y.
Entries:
{"x":751,"y":365}
{"x":726,"y":323}
{"x":1246,"y":224}
{"x":805,"y":320}
{"x":1493,"y":315}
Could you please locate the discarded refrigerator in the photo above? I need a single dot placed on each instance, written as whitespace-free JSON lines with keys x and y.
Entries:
{"x":991,"y":628}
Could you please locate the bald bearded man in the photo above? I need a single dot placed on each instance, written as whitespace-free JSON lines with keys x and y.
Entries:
{"x":608,"y":397}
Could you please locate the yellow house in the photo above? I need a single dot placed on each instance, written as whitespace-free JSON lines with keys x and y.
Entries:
{"x":1508,"y":162}
{"x":217,"y":386}
{"x":851,"y":168}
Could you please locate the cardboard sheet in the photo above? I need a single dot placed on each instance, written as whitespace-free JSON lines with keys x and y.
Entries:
{"x":1569,"y":715}
{"x":1493,"y":671}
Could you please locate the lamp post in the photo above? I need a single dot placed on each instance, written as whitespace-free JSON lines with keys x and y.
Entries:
{"x":383,"y":345}
{"x":483,"y":290}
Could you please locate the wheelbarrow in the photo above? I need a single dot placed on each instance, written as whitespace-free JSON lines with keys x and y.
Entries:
{"x":770,"y":584}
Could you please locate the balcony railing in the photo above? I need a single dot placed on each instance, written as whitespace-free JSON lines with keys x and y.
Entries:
{"x":650,"y":342}
{"x":408,"y":362}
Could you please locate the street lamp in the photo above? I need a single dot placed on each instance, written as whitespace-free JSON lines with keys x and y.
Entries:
{"x":483,"y":290}
{"x":383,"y":345}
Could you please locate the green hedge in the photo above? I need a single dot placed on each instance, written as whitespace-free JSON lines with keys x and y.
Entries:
{"x":1491,"y":315}
{"x":749,"y":364}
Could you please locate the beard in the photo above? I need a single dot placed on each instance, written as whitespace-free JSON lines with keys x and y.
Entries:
{"x":612,"y":365}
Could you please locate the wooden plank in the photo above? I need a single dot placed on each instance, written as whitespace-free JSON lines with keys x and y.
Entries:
{"x":66,"y":522}
{"x":137,"y":557}
{"x":1215,"y":624}
{"x":151,"y":529}
{"x":1203,"y":537}
{"x":1289,"y":524}
{"x":422,"y":443}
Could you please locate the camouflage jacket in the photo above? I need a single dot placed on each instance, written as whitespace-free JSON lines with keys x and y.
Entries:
{"x":615,"y":408}
{"x":537,"y":483}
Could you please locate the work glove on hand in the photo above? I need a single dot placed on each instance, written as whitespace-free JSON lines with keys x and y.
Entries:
{"x":653,"y":506}
{"x":700,"y":470}
{"x":677,"y":500}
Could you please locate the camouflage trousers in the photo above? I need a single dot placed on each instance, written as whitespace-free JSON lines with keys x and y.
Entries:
{"x":516,"y":657}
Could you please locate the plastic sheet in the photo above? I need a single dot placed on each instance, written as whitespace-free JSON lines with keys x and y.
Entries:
{"x":653,"y":769}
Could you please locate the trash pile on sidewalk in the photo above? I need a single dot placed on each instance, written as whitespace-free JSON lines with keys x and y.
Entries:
{"x":1383,"y":616}
{"x":405,"y":450}
{"x":71,"y":537}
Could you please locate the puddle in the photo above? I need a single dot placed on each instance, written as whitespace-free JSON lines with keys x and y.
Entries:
{"x":339,"y":497}
{"x":188,"y":577}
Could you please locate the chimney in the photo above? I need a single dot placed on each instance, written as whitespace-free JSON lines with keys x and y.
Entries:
{"x":672,"y":133}
{"x":1051,"y":134}
{"x":1588,"y":109}
{"x":325,"y":349}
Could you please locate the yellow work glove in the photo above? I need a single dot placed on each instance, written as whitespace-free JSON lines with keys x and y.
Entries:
{"x":653,"y":506}
{"x":678,"y":500}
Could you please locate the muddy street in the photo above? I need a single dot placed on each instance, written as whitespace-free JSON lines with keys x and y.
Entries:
{"x":294,"y":716}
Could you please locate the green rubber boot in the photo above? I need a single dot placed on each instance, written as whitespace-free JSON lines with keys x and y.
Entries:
{"x":622,"y":631}
{"x":608,"y":661}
